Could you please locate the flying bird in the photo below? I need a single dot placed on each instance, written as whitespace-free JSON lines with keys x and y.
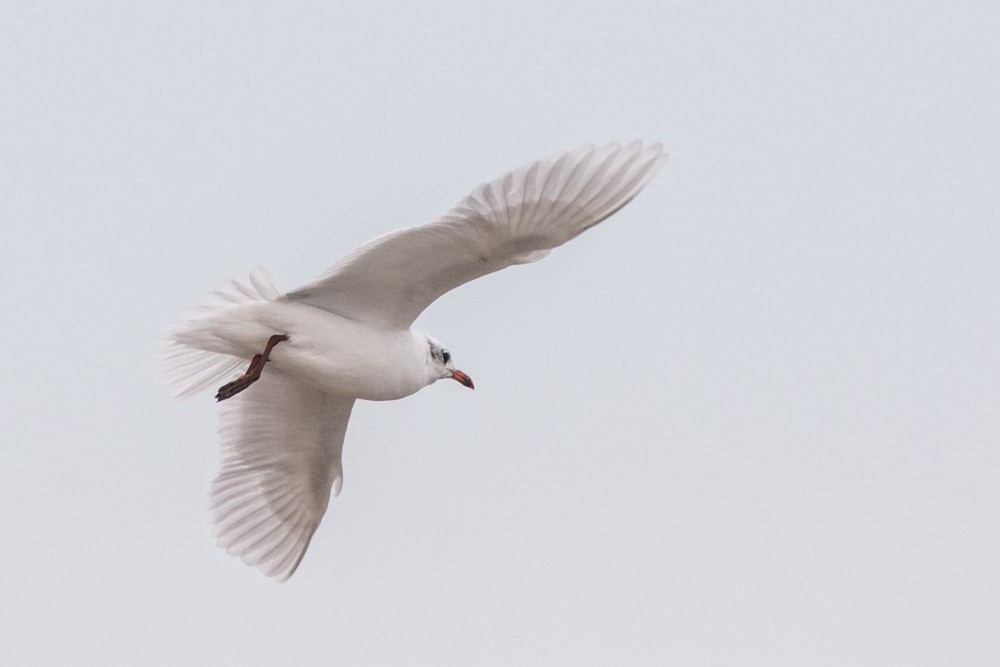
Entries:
{"x":303,"y":358}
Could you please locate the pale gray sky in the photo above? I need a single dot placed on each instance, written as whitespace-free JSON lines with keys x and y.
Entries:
{"x":751,"y":420}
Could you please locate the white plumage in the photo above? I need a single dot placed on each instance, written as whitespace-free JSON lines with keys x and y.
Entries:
{"x":349,"y":337}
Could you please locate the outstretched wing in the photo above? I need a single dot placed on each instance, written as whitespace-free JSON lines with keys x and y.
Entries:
{"x":281,"y":442}
{"x":514,"y":219}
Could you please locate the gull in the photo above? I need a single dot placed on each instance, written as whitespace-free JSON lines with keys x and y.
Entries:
{"x":346,"y":336}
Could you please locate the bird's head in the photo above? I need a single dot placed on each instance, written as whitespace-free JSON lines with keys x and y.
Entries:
{"x":441,"y":364}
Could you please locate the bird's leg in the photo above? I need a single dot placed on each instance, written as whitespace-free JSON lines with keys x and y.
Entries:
{"x":253,"y":372}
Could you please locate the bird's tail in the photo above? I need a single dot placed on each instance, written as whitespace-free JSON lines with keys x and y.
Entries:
{"x":188,"y":362}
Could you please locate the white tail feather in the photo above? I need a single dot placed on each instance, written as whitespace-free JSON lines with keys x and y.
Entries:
{"x":187,"y":369}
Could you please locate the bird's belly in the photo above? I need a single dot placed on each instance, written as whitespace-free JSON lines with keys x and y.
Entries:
{"x":344,"y":357}
{"x":341,"y":377}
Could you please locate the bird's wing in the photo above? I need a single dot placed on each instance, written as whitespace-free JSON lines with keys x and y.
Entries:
{"x":281,"y":442}
{"x":514,"y":219}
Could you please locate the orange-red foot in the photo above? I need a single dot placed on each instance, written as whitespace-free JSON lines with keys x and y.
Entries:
{"x":253,"y":372}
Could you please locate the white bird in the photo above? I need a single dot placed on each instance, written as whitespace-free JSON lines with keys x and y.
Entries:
{"x":347,"y":336}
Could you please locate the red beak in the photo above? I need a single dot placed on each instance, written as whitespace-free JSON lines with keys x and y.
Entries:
{"x":459,"y":376}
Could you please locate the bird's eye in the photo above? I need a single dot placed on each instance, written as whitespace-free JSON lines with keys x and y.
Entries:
{"x":446,"y":355}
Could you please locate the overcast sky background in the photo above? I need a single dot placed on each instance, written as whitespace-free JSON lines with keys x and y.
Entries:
{"x":750,"y":420}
